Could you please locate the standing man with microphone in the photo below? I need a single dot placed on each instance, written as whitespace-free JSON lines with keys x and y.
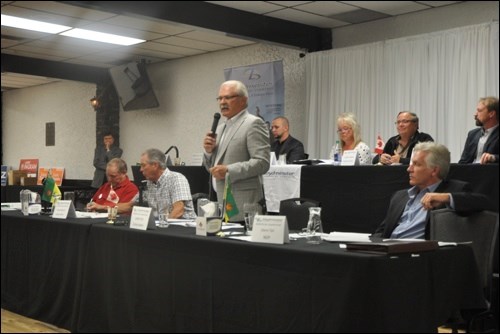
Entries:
{"x":239,"y":148}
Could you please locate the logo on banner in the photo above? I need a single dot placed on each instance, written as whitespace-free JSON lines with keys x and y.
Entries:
{"x":252,"y":74}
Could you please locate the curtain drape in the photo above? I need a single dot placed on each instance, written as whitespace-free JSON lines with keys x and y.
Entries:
{"x":439,"y":76}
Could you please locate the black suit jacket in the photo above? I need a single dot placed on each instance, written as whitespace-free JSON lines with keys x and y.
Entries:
{"x":465,"y":201}
{"x":470,"y":148}
{"x":292,"y":147}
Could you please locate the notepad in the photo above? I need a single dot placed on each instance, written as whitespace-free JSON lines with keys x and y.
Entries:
{"x":393,"y":247}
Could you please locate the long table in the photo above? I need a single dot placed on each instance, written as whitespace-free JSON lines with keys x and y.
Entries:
{"x":355,"y":198}
{"x":42,"y":266}
{"x":105,"y":278}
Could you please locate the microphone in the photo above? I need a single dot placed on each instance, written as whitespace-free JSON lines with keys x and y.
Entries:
{"x":214,"y":124}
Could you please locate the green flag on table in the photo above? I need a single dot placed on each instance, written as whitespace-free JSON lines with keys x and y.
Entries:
{"x":50,"y":189}
{"x":230,"y":207}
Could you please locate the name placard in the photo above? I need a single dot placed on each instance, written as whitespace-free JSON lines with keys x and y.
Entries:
{"x":140,"y":217}
{"x":270,"y":229}
{"x":64,"y":209}
{"x":201,"y":226}
{"x":350,"y":158}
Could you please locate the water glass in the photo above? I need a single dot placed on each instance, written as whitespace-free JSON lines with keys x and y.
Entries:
{"x":163,"y":220}
{"x":249,"y":211}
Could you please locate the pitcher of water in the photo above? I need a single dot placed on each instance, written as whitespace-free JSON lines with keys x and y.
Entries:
{"x":314,"y":226}
{"x":25,"y":198}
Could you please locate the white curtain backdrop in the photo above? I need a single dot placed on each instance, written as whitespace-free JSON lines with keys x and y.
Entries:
{"x":439,"y":76}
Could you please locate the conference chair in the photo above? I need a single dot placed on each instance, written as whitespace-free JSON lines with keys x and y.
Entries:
{"x":482,"y":229}
{"x":296,"y":211}
{"x":82,"y":197}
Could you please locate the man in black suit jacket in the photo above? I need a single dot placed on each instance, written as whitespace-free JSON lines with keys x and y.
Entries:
{"x":408,"y":213}
{"x":481,"y":145}
{"x":284,"y":143}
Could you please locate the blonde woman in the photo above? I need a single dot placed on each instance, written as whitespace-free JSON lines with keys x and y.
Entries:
{"x":350,"y":137}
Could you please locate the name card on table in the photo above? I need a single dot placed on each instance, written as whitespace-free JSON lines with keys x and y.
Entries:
{"x":270,"y":229}
{"x":208,"y":225}
{"x":201,"y":226}
{"x":350,"y":158}
{"x":142,"y":218}
{"x":64,"y":209}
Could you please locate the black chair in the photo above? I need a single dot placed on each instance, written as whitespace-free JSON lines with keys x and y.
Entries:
{"x":482,"y":229}
{"x":82,"y":197}
{"x":296,"y":211}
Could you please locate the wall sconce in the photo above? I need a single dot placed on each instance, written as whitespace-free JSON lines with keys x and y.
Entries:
{"x":94,"y":102}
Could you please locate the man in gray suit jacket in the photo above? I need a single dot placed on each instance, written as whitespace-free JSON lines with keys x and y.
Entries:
{"x":408,"y":213}
{"x":102,"y":155}
{"x":239,"y":148}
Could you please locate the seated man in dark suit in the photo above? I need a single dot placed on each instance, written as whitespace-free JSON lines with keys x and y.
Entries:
{"x":398,"y":149}
{"x":408,"y":214}
{"x":481,"y":145}
{"x":284,"y":143}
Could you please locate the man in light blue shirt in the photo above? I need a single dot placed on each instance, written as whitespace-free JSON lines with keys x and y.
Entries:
{"x":408,"y":213}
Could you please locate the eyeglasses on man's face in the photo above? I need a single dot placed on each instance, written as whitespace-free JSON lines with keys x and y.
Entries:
{"x":404,"y":121}
{"x":227,"y":97}
{"x":343,"y":130}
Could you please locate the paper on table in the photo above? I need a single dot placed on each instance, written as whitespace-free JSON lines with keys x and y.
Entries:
{"x":80,"y":214}
{"x":8,"y":206}
{"x":346,"y":236}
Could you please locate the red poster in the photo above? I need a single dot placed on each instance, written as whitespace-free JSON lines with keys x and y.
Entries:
{"x":30,"y":166}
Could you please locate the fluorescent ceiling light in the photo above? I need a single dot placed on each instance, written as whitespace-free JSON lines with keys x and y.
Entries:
{"x":17,"y":22}
{"x":102,"y":37}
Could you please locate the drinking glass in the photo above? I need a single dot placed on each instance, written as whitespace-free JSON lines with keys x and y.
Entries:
{"x":249,"y":211}
{"x":163,"y":220}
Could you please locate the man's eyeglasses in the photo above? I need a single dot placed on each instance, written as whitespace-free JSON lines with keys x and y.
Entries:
{"x":404,"y":121}
{"x":227,"y":98}
{"x":343,"y":130}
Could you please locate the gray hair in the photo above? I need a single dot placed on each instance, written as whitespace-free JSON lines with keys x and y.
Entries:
{"x":437,"y":156}
{"x":120,"y":164}
{"x":240,"y":87}
{"x":155,"y":155}
{"x":414,"y":116}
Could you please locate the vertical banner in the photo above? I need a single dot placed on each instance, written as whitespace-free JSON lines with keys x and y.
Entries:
{"x":266,"y":88}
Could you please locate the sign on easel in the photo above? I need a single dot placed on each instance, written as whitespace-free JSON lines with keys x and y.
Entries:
{"x":64,"y":209}
{"x":142,"y":218}
{"x":350,"y":158}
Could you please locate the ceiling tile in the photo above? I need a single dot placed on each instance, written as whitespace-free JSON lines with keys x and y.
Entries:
{"x":389,"y":7}
{"x":151,"y":25}
{"x":257,"y":7}
{"x":306,"y":18}
{"x":326,"y":8}
{"x":191,"y":43}
{"x":215,"y":37}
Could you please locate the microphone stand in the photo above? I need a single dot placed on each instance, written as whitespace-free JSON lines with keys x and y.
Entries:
{"x":176,"y":152}
{"x":141,"y":193}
